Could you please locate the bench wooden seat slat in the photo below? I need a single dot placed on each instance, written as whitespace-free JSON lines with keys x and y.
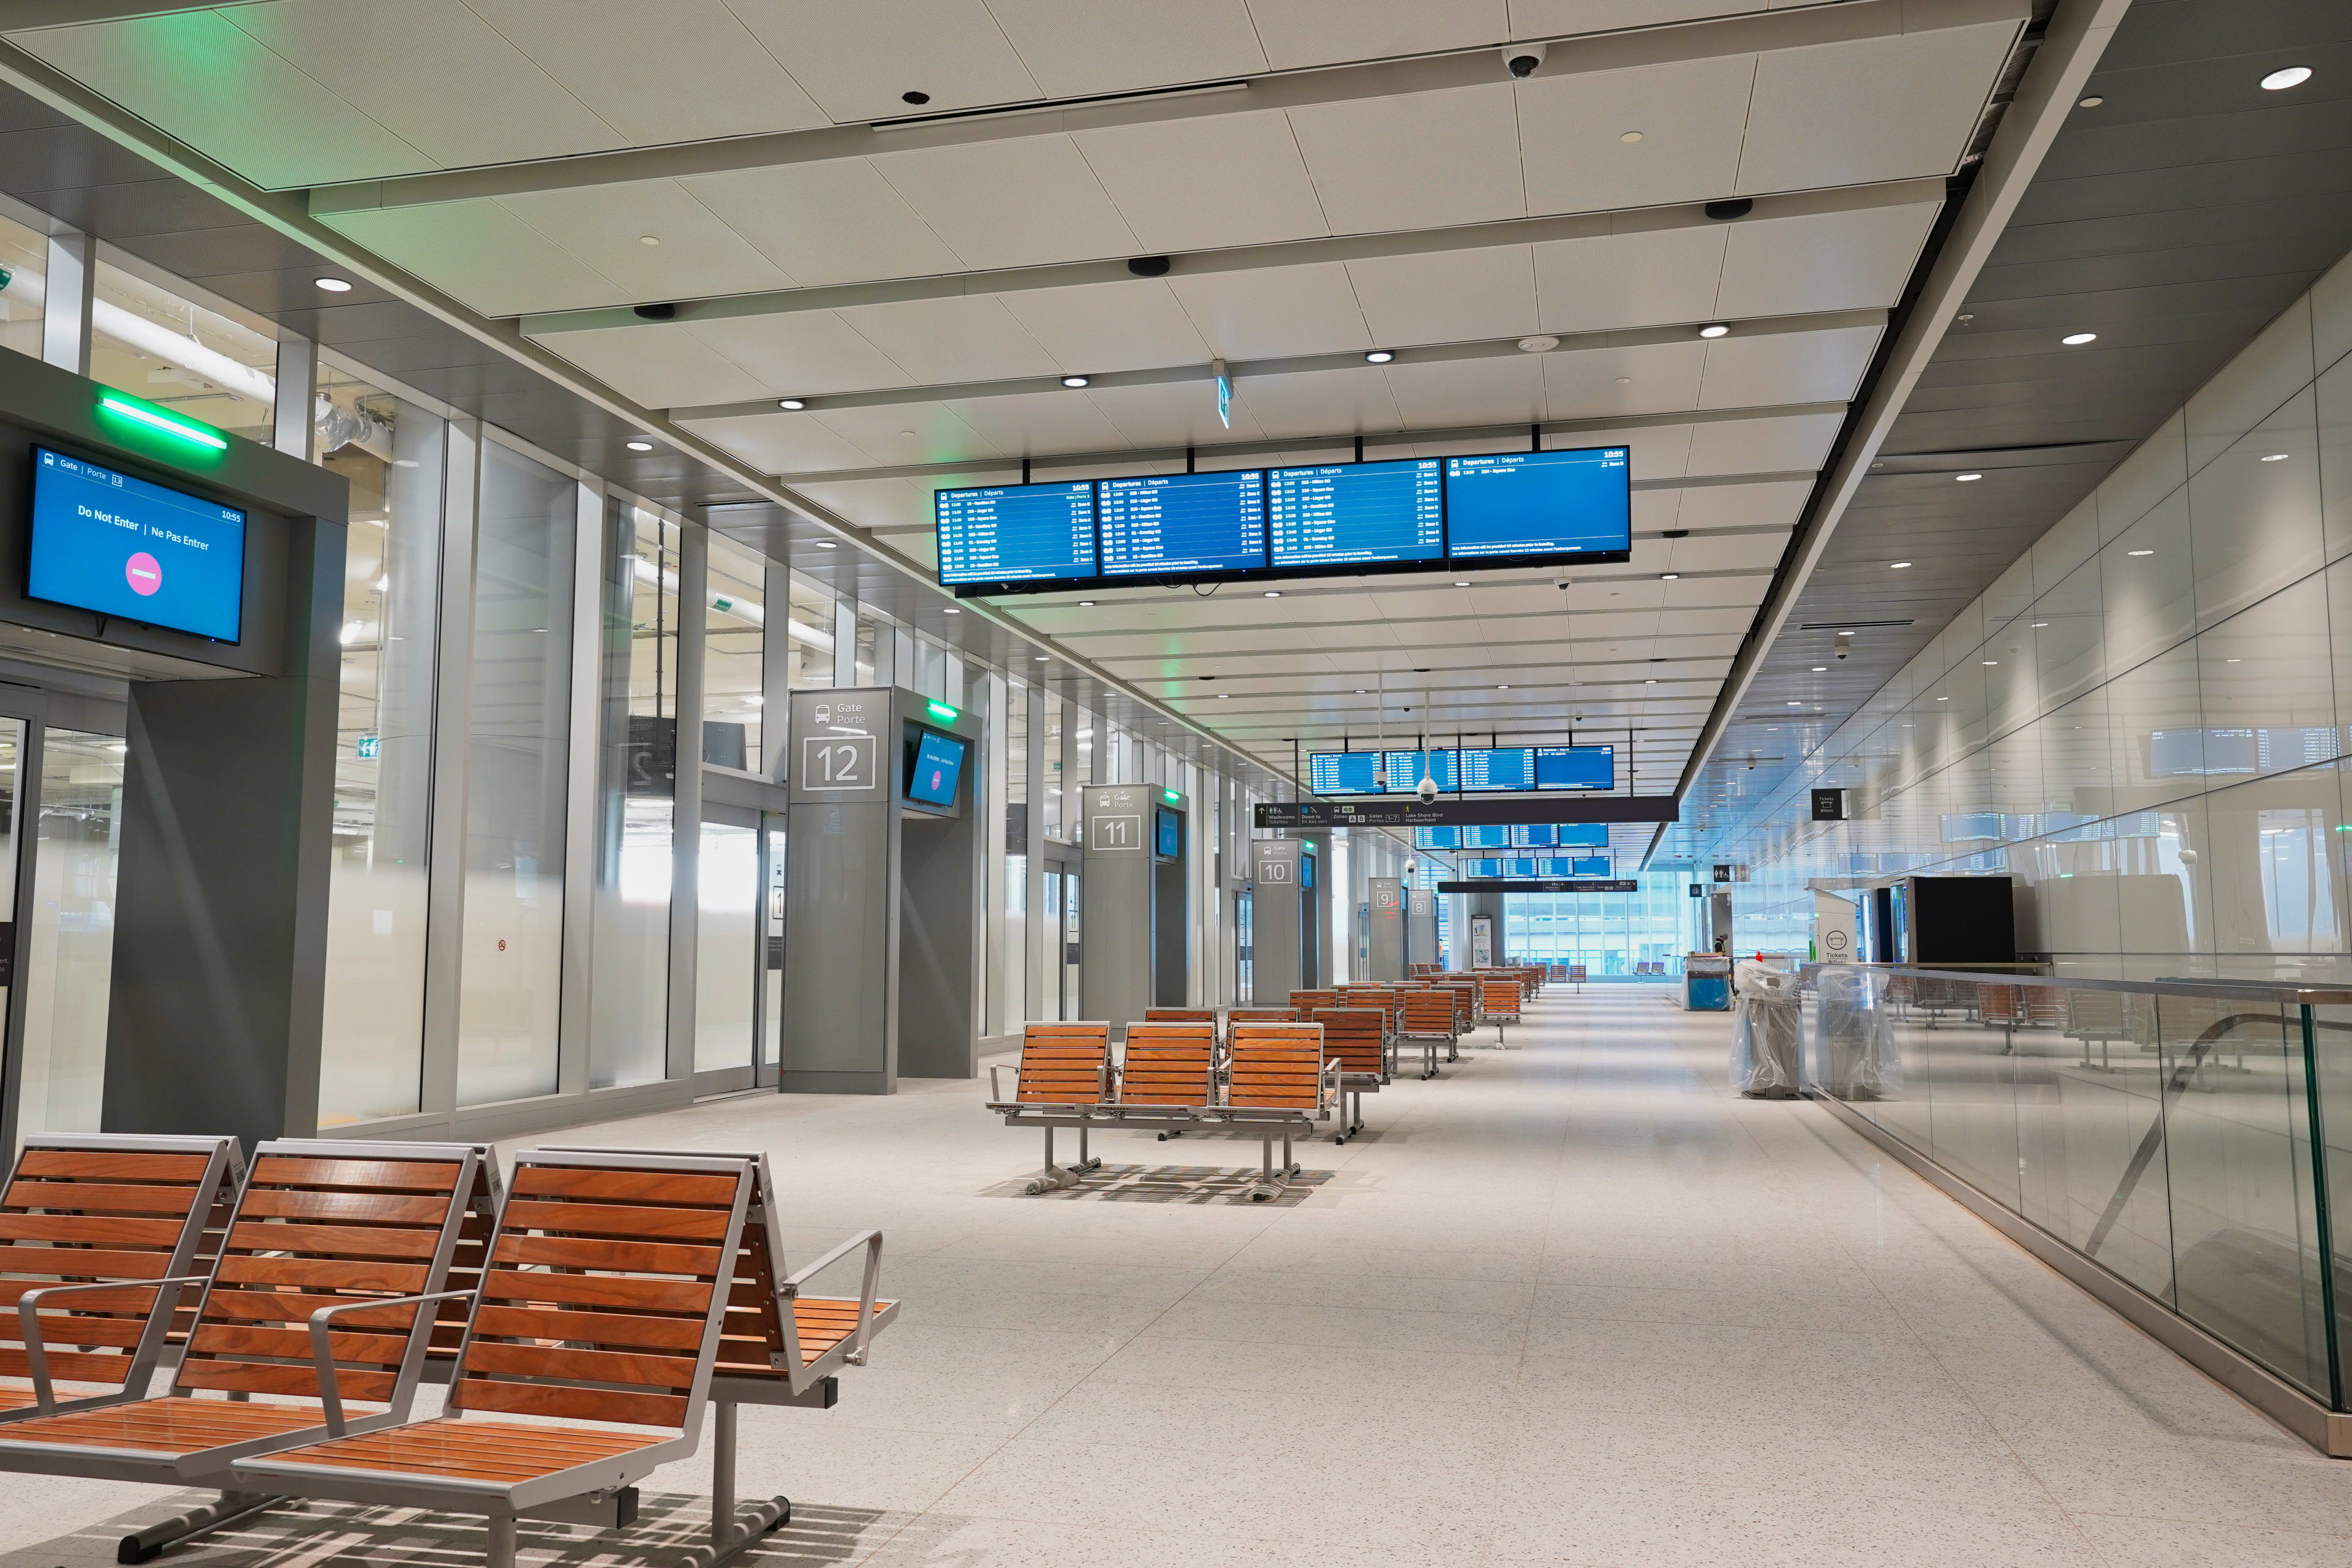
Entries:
{"x":610,"y":1328}
{"x":666,"y":1372}
{"x":89,"y":1230}
{"x":474,"y":1449}
{"x":570,"y":1403}
{"x":335,"y":1240}
{"x":675,"y":1189}
{"x":96,"y":1197}
{"x":598,"y":1290}
{"x":111,"y":1165}
{"x":630,"y":1221}
{"x":428,"y":1178}
{"x":584,"y":1252}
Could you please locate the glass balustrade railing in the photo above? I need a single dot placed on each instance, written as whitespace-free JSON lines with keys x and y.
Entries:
{"x":2192,"y":1139}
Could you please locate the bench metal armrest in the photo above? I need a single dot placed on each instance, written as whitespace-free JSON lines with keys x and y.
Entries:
{"x":995,"y":1090}
{"x":331,"y":1399}
{"x":29,"y":1322}
{"x":1330,"y":1084}
{"x":789,"y":1289}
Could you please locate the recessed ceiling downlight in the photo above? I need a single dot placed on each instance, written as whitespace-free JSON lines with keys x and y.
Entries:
{"x":2290,"y":76}
{"x":640,"y":445}
{"x":1378,"y":356}
{"x":793,"y":404}
{"x":332,"y":284}
{"x":2076,"y":340}
{"x":1715,"y":330}
{"x":1074,"y":380}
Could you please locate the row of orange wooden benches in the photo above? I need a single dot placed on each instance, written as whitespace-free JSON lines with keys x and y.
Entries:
{"x":1273,"y":1073}
{"x":617,"y":1292}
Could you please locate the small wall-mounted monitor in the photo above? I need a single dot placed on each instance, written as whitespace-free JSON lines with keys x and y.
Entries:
{"x":1307,"y":870}
{"x":934,"y":768}
{"x":1167,"y":837}
{"x":106,"y":541}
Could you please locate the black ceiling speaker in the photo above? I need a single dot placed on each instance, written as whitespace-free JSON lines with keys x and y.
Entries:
{"x":1147,"y":266}
{"x":657,"y":312}
{"x":1739,"y":206}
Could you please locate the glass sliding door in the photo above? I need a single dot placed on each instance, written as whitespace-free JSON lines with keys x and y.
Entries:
{"x":69,"y":965}
{"x":727,"y":939}
{"x":771,"y":949}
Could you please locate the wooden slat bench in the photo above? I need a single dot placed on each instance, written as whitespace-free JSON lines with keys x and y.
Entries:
{"x":1064,"y":1066}
{"x":102,"y":1235}
{"x":1358,"y":1038}
{"x":1429,"y":1019}
{"x":1280,"y":1068}
{"x":333,"y":1248}
{"x":1259,"y":1016}
{"x":1169,"y":1067}
{"x":1180,"y":1016}
{"x":1500,"y":997}
{"x":1303,"y":1003}
{"x":608,"y":1292}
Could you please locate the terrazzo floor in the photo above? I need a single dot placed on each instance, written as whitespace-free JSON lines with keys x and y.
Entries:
{"x":1571,"y":1303}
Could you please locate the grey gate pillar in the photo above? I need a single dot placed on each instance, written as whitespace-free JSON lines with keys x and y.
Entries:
{"x":1134,"y":918}
{"x":882,"y":897}
{"x":1282,"y":920}
{"x":1420,"y":928}
{"x":1386,"y":896}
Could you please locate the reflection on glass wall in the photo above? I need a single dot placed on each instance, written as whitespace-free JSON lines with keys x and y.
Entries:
{"x":728,"y":903}
{"x":1608,"y":933}
{"x":372,"y":1055}
{"x":509,"y":984}
{"x":636,"y":789}
{"x":734,"y":654}
{"x":1061,"y":805}
{"x":70,"y":965}
{"x":1010,"y":736}
{"x":152,"y":344}
{"x":25,"y":258}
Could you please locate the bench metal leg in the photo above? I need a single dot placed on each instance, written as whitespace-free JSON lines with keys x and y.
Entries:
{"x":144,"y":1546}
{"x":501,"y":1553}
{"x":1055,"y":1177}
{"x":1086,"y":1162}
{"x":732,"y":1528}
{"x":1266,"y":1185}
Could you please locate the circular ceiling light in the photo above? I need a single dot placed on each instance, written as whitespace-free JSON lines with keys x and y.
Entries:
{"x":1074,"y":380}
{"x":1897,"y":565}
{"x":1542,"y":342}
{"x":2140,"y":552}
{"x":1503,"y":688}
{"x":826,"y":544}
{"x":954,"y":611}
{"x":332,"y":284}
{"x":1085,"y":604}
{"x":1820,"y":668}
{"x":1649,"y":683}
{"x":1043,"y":658}
{"x":649,"y":239}
{"x":791,"y":403}
{"x":1630,"y":137}
{"x":1965,"y":478}
{"x":1465,"y":584}
{"x":1670,"y":576}
{"x":1715,"y":330}
{"x":2290,"y":76}
{"x":2076,"y":340}
{"x":1378,"y":356}
{"x":1273,"y":593}
{"x":2090,"y":102}
{"x":640,"y":445}
{"x":2275,"y":458}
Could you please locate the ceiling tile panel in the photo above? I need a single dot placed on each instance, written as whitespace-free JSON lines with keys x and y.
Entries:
{"x":1452,"y":297}
{"x":481,"y":253}
{"x":781,"y":443}
{"x":1010,"y":204}
{"x":1040,"y":422}
{"x":1421,"y":161}
{"x":1629,"y":280}
{"x":1596,"y":383}
{"x":1319,"y":403}
{"x":805,"y":352}
{"x":1658,"y":451}
{"x":1873,"y":109}
{"x":825,"y":223}
{"x":1774,"y":505}
{"x":1786,"y":367}
{"x":607,"y":226}
{"x":1274,"y":313}
{"x":858,"y":61}
{"x":1177,"y":414}
{"x":661,"y":366}
{"x":1110,"y":326}
{"x":1208,"y":183}
{"x":1120,"y":45}
{"x":705,"y":78}
{"x":1761,"y":445}
{"x":919,"y":433}
{"x":968,"y":338}
{"x":433,"y":73}
{"x":1687,"y":117}
{"x":197,"y":76}
{"x":1297,"y":32}
{"x":1469,"y":392}
{"x":1829,"y":262}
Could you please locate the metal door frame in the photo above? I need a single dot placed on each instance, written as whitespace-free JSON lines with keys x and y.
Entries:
{"x":769,"y":959}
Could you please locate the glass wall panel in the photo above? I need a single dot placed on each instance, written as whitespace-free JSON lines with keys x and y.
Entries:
{"x":810,"y":629}
{"x":726,"y":943}
{"x":518,"y":728}
{"x":636,"y":798}
{"x":734,"y":654}
{"x":70,"y":966}
{"x":24,"y":261}
{"x":1011,"y":738}
{"x":150,"y":343}
{"x":372,"y":1043}
{"x":1061,"y":798}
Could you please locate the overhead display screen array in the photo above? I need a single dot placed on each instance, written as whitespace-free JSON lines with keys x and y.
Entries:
{"x":1398,"y":515}
{"x":1582,"y":865}
{"x":1470,"y":771}
{"x":111,"y":542}
{"x":1521,"y":835}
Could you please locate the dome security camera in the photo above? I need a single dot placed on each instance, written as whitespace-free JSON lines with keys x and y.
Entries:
{"x":1841,"y":652}
{"x":1427,"y":790}
{"x":1522,"y":60}
{"x":1563,"y":584}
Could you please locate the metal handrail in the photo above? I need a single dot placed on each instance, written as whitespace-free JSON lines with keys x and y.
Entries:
{"x":2286,"y":993}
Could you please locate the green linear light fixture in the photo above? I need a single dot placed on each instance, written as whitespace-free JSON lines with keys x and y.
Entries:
{"x":140,"y":412}
{"x":942,"y":710}
{"x":1172,"y":797}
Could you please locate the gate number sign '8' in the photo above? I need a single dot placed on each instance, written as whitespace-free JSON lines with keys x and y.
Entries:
{"x":837,"y":762}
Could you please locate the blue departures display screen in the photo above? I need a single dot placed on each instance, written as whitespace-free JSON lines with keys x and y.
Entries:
{"x":107,"y":542}
{"x":1170,"y":844}
{"x":1576,"y":767}
{"x":1182,"y":523}
{"x":1016,"y":533}
{"x":1344,"y":514}
{"x":1539,"y":503}
{"x":936,"y":770}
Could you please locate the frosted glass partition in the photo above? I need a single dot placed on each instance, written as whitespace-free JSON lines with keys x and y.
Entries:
{"x":2191,"y":1140}
{"x":511,"y":967}
{"x":726,"y":945}
{"x":70,"y":966}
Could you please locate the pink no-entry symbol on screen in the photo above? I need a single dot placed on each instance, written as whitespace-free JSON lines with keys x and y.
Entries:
{"x":144,"y":573}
